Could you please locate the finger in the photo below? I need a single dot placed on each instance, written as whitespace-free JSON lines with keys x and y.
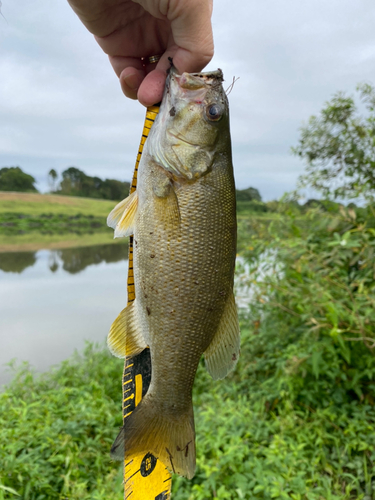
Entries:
{"x":190,"y":45}
{"x":119,"y":63}
{"x":152,"y":87}
{"x":130,"y":81}
{"x":192,"y":33}
{"x":131,"y":72}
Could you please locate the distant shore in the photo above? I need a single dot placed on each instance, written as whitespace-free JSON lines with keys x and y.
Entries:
{"x":35,"y":204}
{"x":33,"y":221}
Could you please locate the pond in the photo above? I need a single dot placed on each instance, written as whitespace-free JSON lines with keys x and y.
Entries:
{"x":52,"y":301}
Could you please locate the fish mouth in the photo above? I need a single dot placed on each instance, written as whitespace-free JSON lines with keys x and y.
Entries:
{"x":196,"y":81}
{"x":210,"y":75}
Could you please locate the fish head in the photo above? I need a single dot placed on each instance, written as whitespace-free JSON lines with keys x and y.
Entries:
{"x":193,"y":113}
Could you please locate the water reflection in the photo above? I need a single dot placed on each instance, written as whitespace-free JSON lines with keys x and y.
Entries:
{"x":72,"y":260}
{"x":16,"y":262}
{"x":51,"y":301}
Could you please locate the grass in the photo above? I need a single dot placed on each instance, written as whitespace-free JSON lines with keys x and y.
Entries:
{"x":32,"y":221}
{"x":36,"y":204}
{"x":31,"y":242}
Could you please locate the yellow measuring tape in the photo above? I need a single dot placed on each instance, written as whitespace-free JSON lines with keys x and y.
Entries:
{"x":145,"y":477}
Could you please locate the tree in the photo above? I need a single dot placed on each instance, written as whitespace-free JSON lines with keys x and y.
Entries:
{"x":338,"y":146}
{"x":72,"y":182}
{"x":77,"y":183}
{"x":14,"y":179}
{"x":249,"y":194}
{"x":52,"y":179}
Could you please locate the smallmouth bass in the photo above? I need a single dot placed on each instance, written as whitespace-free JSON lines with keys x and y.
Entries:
{"x":183,"y":219}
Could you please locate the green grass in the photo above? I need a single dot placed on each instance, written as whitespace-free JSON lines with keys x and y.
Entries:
{"x":50,"y":218}
{"x":36,"y":204}
{"x":11,"y":223}
{"x":36,"y":241}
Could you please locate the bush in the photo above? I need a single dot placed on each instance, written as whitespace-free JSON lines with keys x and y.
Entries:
{"x":296,"y":420}
{"x":56,"y":431}
{"x":321,"y":305}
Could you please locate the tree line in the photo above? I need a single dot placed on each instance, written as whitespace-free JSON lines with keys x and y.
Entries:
{"x":74,"y":182}
{"x":337,"y":145}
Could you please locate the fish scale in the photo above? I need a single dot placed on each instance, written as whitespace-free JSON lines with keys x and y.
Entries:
{"x":145,"y":478}
{"x":190,"y":261}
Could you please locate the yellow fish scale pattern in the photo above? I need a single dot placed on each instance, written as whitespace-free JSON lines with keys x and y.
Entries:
{"x":145,"y":478}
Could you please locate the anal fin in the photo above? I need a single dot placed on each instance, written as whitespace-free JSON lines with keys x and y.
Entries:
{"x":222,"y":354}
{"x":125,"y":338}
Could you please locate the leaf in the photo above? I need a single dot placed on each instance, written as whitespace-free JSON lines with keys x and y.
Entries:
{"x":9,"y":490}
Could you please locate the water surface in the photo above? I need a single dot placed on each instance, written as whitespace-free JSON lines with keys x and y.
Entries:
{"x":51,"y":301}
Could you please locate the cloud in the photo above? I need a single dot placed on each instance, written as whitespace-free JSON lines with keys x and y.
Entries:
{"x":61,"y":105}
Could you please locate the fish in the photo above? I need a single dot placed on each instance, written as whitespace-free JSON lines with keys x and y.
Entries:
{"x":183,"y":221}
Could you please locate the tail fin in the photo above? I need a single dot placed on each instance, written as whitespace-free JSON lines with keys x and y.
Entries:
{"x":170,"y":438}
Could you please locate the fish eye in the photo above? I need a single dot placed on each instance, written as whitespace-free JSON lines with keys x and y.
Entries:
{"x":214,"y":112}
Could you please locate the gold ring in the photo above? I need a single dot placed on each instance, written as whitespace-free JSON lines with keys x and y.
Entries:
{"x":153,"y":59}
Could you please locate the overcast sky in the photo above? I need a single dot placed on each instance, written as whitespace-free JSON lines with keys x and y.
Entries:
{"x":61,"y":104}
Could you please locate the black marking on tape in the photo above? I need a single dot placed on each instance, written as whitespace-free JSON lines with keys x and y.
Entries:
{"x":148,"y":464}
{"x":141,"y":366}
{"x":162,"y":496}
{"x":136,"y":472}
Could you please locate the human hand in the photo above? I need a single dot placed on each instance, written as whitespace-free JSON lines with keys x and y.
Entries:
{"x":128,"y":30}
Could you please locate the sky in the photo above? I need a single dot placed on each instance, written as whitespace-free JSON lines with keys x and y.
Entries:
{"x":61,"y":104}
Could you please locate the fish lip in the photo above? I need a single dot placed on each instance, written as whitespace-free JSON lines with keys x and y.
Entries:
{"x":197,"y":81}
{"x":210,"y":75}
{"x":207,"y":75}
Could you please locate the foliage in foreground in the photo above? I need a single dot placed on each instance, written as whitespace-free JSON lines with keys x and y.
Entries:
{"x":296,"y":420}
{"x":56,"y":430}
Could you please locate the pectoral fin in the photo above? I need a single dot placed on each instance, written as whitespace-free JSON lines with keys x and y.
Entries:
{"x":222,"y":354}
{"x":166,"y":205}
{"x":125,"y":338}
{"x":122,"y":217}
